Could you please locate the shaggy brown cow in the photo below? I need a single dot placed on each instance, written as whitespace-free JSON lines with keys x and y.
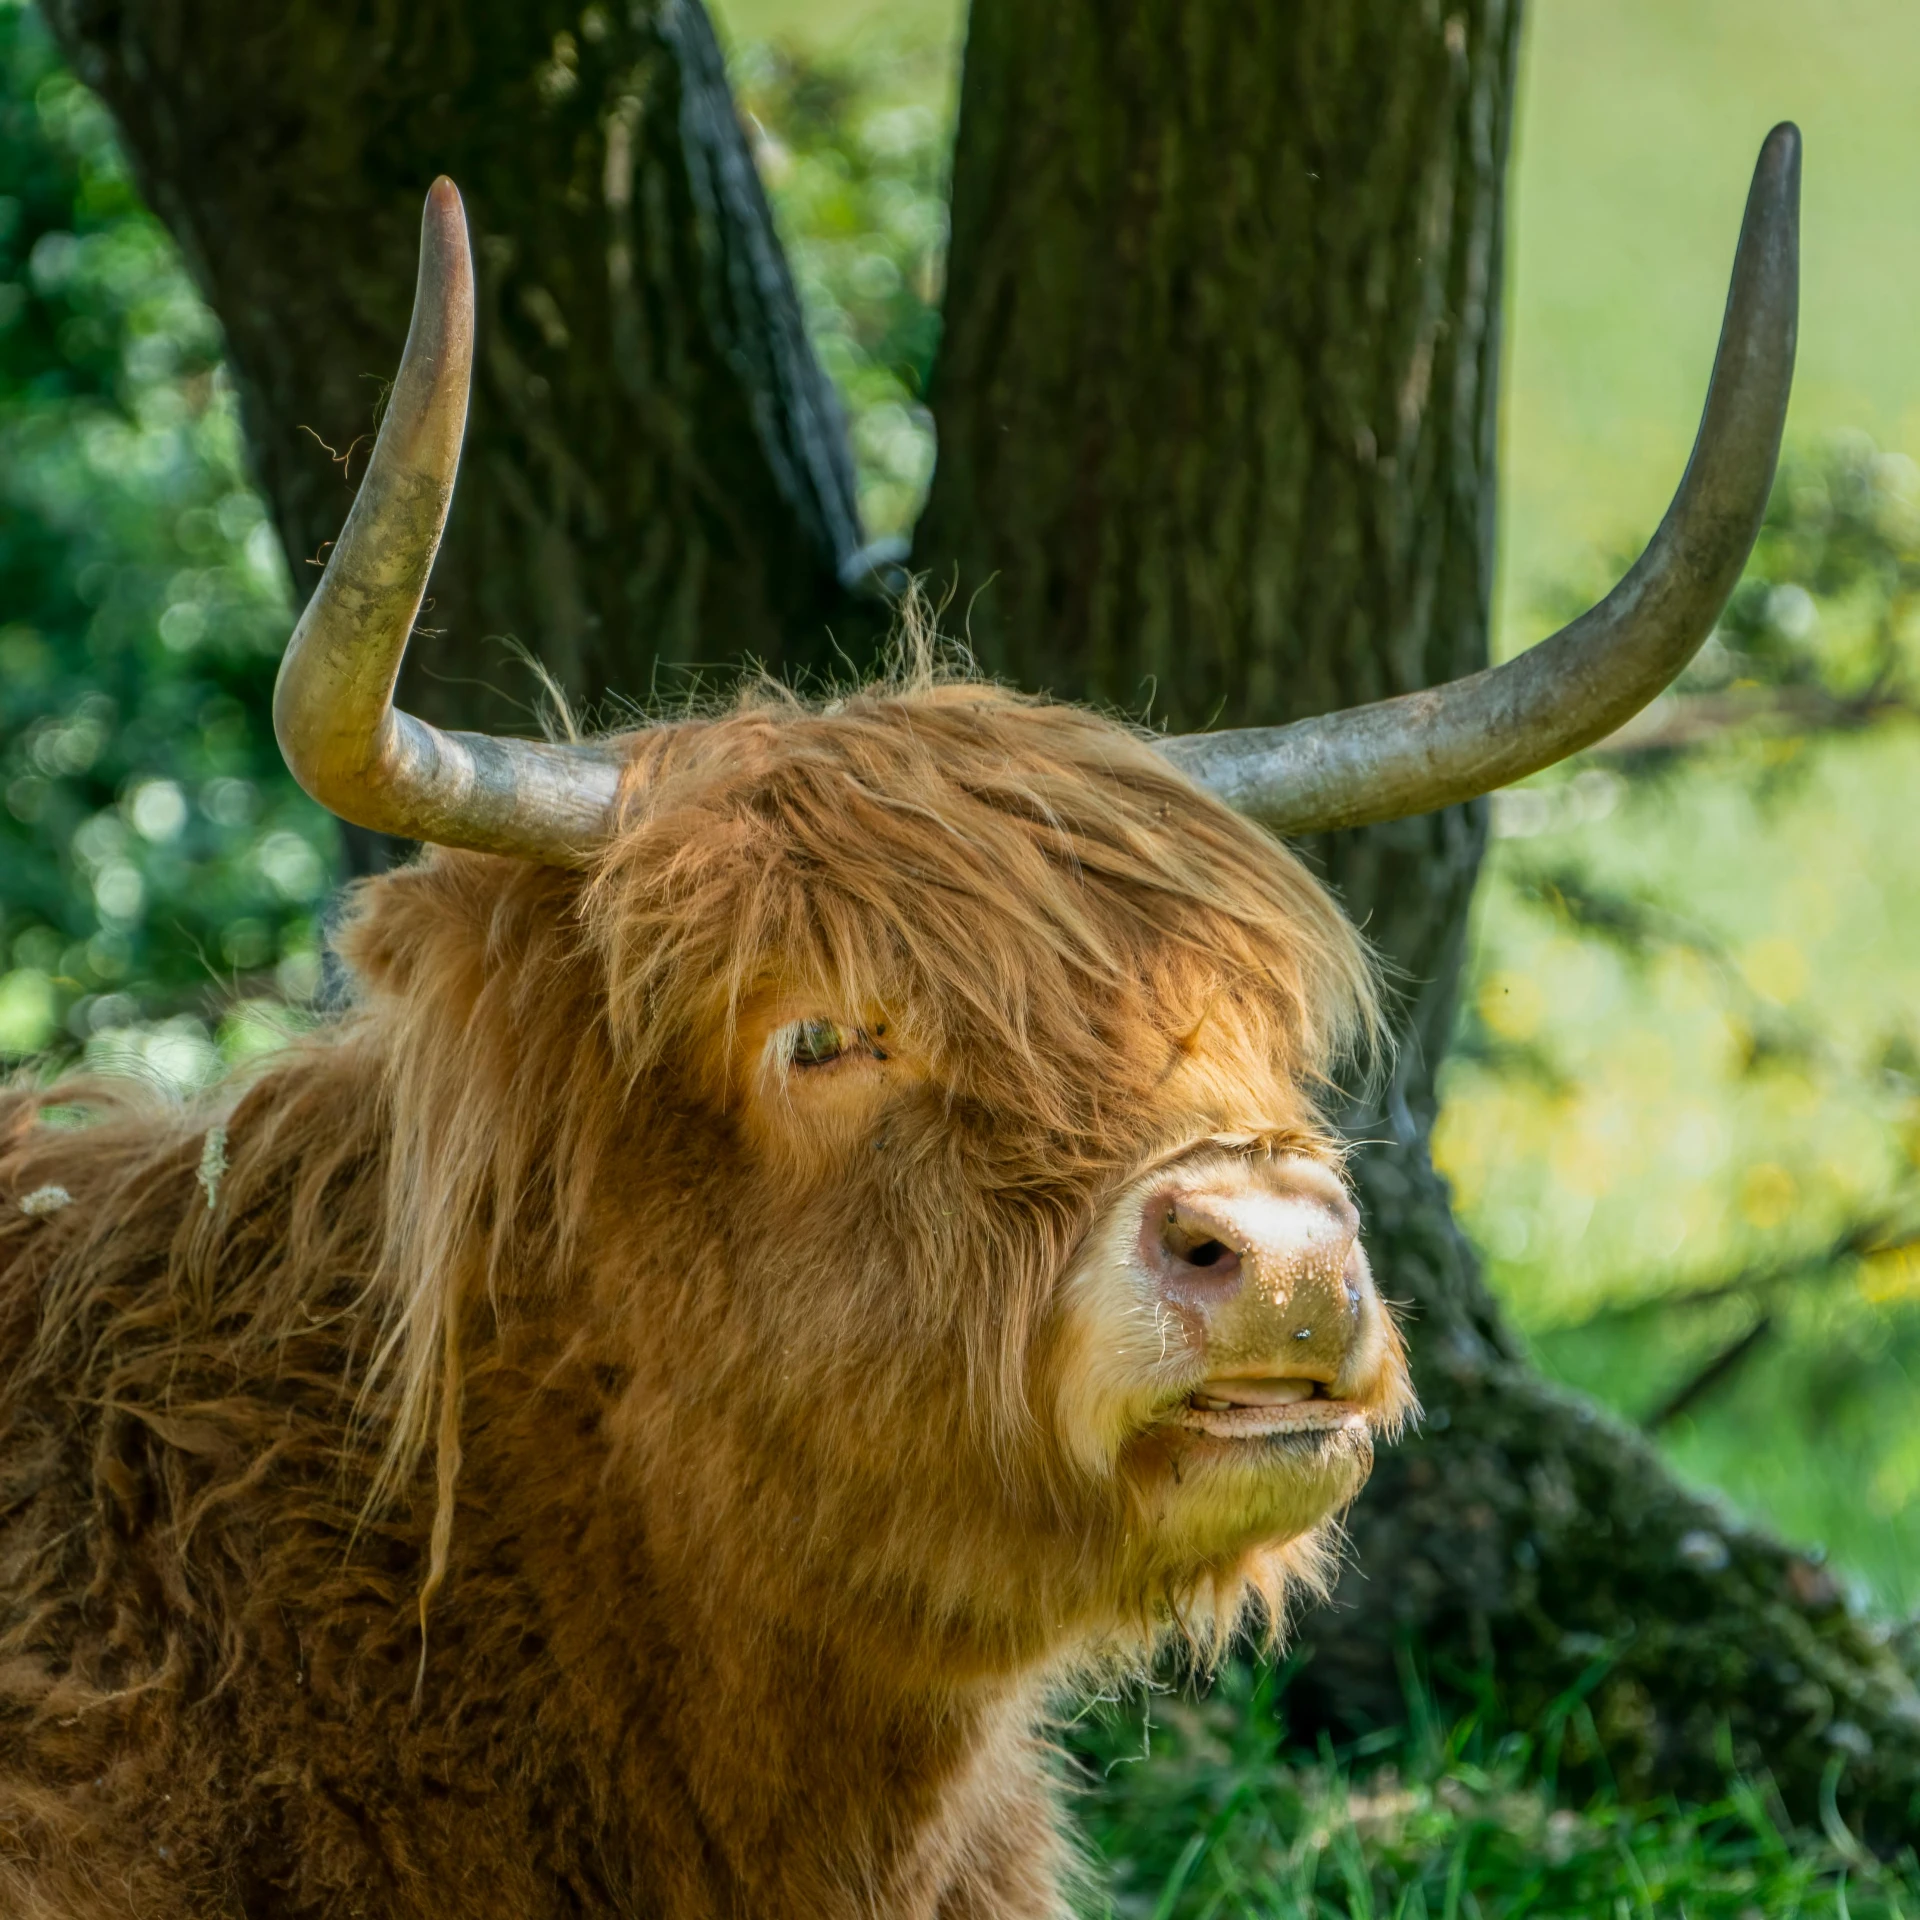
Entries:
{"x":815,"y":1230}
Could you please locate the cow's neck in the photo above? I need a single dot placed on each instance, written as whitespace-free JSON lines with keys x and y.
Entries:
{"x":827,"y":1770}
{"x":824,"y":1779}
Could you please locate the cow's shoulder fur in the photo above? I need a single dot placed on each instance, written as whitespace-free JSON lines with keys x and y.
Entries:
{"x":197,"y":1647}
{"x":219,"y":1691}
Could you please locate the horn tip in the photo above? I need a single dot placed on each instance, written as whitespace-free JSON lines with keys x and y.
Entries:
{"x":1780,"y":154}
{"x":443,"y":221}
{"x":445,"y":258}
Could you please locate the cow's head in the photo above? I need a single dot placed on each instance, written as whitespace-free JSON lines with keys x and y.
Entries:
{"x":994,"y":1050}
{"x":943,"y":1095}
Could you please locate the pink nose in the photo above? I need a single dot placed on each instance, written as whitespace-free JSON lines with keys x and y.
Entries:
{"x":1261,"y":1259}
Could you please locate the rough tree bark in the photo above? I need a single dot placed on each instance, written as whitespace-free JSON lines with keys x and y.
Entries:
{"x":656,"y":467}
{"x":1216,"y":410}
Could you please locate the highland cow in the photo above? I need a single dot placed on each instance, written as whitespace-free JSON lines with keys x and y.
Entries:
{"x":820,"y":1224}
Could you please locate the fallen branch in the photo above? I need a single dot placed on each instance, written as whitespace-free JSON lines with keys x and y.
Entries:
{"x":1713,"y":1374}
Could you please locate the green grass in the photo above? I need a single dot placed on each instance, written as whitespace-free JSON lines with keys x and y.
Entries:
{"x":1190,"y":1818}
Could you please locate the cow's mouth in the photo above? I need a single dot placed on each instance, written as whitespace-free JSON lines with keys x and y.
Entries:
{"x":1258,"y":1409}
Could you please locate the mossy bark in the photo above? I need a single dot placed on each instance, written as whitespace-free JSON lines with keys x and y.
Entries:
{"x":656,"y":470}
{"x":1216,"y":407}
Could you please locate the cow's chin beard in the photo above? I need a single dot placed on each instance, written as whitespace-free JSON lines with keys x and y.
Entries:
{"x":1205,"y":1499}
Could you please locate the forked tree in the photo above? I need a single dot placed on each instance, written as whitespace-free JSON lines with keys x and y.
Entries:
{"x":1215,"y":403}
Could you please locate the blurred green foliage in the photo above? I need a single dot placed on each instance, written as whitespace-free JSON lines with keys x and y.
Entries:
{"x":1683,"y":1107}
{"x":854,"y":152}
{"x":1831,"y":599}
{"x":151,"y":846}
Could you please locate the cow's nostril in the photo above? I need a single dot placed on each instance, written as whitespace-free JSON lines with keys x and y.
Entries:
{"x":1192,"y":1241}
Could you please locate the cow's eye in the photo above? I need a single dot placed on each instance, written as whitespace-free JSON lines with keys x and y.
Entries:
{"x":816,"y":1042}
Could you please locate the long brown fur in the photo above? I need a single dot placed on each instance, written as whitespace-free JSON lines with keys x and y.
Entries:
{"x":564,"y":1470}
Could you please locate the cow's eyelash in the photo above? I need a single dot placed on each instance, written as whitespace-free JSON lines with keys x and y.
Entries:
{"x":818,"y":1043}
{"x":810,"y":1045}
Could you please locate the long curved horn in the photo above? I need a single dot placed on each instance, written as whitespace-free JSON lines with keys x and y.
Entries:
{"x":1420,"y":751}
{"x":333,"y":707}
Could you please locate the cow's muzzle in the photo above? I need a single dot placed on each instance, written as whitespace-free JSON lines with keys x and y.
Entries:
{"x":1258,"y":1259}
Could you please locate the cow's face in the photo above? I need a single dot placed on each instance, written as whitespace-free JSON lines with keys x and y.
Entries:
{"x":980,"y":1175}
{"x":1171,"y":1356}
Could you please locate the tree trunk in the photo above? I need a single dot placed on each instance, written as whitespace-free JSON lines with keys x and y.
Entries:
{"x":1216,"y":409}
{"x":656,"y":469}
